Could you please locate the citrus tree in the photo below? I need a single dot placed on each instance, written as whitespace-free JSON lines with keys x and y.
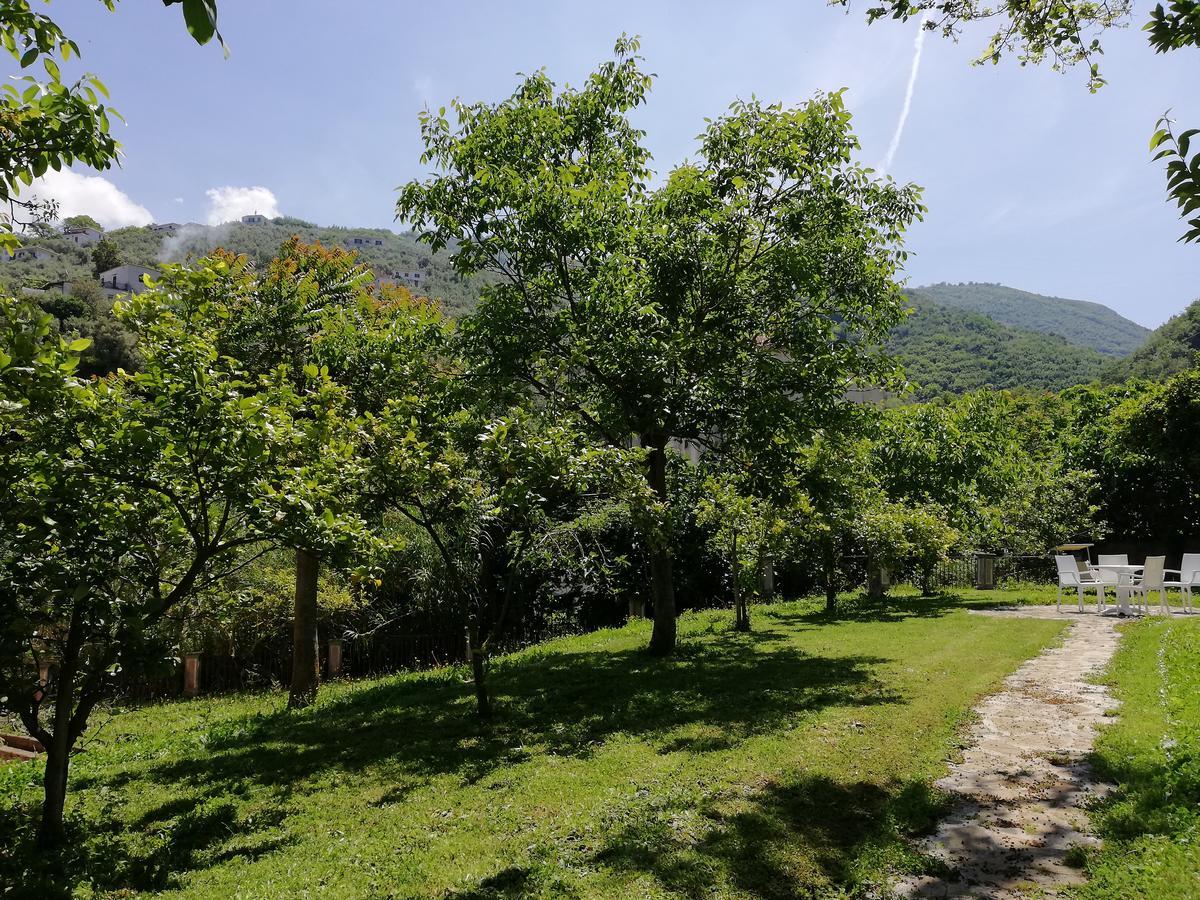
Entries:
{"x":127,"y":495}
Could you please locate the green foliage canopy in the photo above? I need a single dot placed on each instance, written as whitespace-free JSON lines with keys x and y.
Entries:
{"x":703,"y":307}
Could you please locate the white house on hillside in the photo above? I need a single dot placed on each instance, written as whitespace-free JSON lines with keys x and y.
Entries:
{"x":364,"y":242}
{"x":125,"y":280}
{"x":82,"y":235}
{"x":28,"y":254}
{"x":254,"y":219}
{"x":164,"y":227}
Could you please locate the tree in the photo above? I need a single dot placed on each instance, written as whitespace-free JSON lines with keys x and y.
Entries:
{"x":48,"y":124}
{"x":738,"y":299}
{"x":82,"y":221}
{"x":105,"y":256}
{"x":316,"y":307}
{"x":838,"y":481}
{"x":741,"y":527}
{"x":993,"y":465}
{"x":1066,"y":32}
{"x":1148,"y":466}
{"x":492,"y":494}
{"x":129,"y":494}
{"x":896,"y":537}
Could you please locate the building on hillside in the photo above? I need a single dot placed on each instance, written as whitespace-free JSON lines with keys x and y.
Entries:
{"x":28,"y":254}
{"x":125,"y":280}
{"x":254,"y":219}
{"x":411,"y":279}
{"x":82,"y":235}
{"x":355,"y":242}
{"x":164,"y":227}
{"x":66,"y":288}
{"x":867,"y":396}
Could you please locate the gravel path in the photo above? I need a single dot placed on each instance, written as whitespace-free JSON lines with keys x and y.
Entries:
{"x":1024,"y":785}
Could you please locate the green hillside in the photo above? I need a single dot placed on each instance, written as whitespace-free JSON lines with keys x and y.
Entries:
{"x":1076,"y":321}
{"x":1170,"y":349}
{"x":141,"y":246}
{"x":951,"y":351}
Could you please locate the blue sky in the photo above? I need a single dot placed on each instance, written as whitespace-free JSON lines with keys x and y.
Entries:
{"x":1030,"y":180}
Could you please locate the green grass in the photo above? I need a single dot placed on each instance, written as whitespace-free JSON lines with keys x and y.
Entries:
{"x":791,"y":761}
{"x":1151,"y":824}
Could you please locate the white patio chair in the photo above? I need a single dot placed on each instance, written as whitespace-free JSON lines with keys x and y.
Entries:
{"x":1069,"y":577}
{"x":1189,"y":578}
{"x":1151,"y":580}
{"x":1108,"y":578}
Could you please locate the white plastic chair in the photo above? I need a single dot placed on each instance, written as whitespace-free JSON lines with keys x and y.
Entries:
{"x":1189,"y":578}
{"x":1151,"y":580}
{"x":1108,"y":578}
{"x":1070,"y":577}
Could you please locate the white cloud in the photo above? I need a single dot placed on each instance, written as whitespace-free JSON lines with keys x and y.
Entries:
{"x":227,"y":204}
{"x":178,"y":199}
{"x":93,"y":196}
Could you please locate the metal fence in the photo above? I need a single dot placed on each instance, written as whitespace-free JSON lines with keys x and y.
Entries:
{"x":1008,"y":570}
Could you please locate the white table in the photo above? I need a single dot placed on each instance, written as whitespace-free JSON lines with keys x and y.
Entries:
{"x":1123,"y":584}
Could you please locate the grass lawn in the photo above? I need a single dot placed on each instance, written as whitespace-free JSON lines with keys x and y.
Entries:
{"x":1151,"y":825}
{"x":791,"y":761}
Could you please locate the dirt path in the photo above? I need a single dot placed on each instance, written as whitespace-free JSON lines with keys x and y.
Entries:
{"x":1024,"y":784}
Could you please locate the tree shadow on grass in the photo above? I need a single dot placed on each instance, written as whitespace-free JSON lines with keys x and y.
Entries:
{"x":561,"y":702}
{"x":713,"y":694}
{"x":865,"y":609}
{"x":802,"y":837}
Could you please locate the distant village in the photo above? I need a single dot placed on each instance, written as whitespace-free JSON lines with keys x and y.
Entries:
{"x":132,"y":279}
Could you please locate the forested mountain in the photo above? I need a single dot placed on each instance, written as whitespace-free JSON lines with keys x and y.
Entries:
{"x":959,"y":338}
{"x":951,"y":351}
{"x":1172,"y":348}
{"x":1076,"y":321}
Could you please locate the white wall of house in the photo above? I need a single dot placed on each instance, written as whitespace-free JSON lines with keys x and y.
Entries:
{"x":125,"y":280}
{"x":82,"y":236}
{"x":25,"y":254}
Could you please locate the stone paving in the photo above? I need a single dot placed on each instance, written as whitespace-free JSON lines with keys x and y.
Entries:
{"x":1023,"y":786}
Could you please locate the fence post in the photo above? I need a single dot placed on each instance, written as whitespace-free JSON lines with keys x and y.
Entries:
{"x":985,"y":571}
{"x":334,"y":660}
{"x":766,"y":576}
{"x":44,"y":666}
{"x":191,"y":674}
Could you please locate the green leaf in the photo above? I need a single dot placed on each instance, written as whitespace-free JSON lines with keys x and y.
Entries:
{"x":79,"y":345}
{"x":201,"y":19}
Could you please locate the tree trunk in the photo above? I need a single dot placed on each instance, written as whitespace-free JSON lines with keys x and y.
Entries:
{"x":479,"y":672}
{"x":830,"y":576}
{"x":58,"y":761}
{"x":877,"y":581}
{"x":741,"y":617}
{"x":662,"y":584}
{"x":927,"y":586}
{"x":306,"y":656}
{"x":58,"y":743}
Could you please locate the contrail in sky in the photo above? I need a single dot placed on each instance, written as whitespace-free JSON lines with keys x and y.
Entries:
{"x":918,"y":46}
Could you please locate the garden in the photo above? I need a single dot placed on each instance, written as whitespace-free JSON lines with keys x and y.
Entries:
{"x":648,"y":577}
